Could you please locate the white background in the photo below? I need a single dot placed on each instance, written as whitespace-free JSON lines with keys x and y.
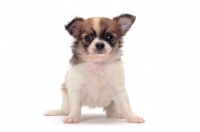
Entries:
{"x":161,"y":57}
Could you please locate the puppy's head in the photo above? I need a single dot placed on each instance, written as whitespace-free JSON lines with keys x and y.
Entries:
{"x":98,"y":39}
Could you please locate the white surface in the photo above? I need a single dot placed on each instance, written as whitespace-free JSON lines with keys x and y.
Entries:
{"x":162,"y":61}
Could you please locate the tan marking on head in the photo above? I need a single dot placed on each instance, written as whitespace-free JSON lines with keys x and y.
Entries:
{"x":96,"y":25}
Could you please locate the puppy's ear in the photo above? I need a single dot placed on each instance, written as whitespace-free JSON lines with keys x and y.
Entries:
{"x":124,"y":22}
{"x":74,"y":27}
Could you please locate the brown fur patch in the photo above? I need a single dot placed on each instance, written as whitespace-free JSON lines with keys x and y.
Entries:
{"x":64,"y":88}
{"x":87,"y":26}
{"x":78,"y":51}
{"x":108,"y":25}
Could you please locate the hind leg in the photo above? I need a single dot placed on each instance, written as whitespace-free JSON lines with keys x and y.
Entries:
{"x":112,"y":111}
{"x":64,"y":107}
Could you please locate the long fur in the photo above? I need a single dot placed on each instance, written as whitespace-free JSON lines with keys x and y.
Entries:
{"x":95,"y":76}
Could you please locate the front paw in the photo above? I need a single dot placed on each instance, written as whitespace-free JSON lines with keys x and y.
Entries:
{"x":71,"y":119}
{"x":135,"y":119}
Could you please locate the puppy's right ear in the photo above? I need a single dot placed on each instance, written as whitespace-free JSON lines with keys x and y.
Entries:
{"x":74,"y":27}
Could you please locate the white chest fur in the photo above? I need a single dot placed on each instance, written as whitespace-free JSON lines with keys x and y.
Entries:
{"x":96,"y":82}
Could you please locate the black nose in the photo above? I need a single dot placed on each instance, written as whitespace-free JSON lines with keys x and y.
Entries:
{"x":100,"y":46}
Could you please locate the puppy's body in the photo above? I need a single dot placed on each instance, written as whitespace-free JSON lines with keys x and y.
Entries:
{"x":95,"y":75}
{"x":96,"y":82}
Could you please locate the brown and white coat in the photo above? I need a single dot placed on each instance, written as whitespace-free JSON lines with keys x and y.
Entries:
{"x":95,"y":76}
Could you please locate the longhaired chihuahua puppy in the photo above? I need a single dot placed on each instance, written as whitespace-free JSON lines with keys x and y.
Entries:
{"x":95,"y":76}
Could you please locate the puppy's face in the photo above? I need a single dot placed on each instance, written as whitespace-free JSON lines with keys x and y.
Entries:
{"x":98,"y":35}
{"x":97,"y":38}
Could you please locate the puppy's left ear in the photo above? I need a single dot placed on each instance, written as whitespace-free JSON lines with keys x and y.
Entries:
{"x":124,"y":23}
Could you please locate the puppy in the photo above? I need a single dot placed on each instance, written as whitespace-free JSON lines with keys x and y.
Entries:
{"x":95,"y":76}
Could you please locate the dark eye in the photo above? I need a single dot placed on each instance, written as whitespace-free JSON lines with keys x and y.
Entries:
{"x":110,"y":38}
{"x":88,"y":38}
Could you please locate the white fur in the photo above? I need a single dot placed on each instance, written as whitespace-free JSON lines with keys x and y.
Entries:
{"x":97,"y":82}
{"x":96,"y":85}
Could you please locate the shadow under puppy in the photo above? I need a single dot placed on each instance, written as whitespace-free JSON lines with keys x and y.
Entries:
{"x":95,"y":76}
